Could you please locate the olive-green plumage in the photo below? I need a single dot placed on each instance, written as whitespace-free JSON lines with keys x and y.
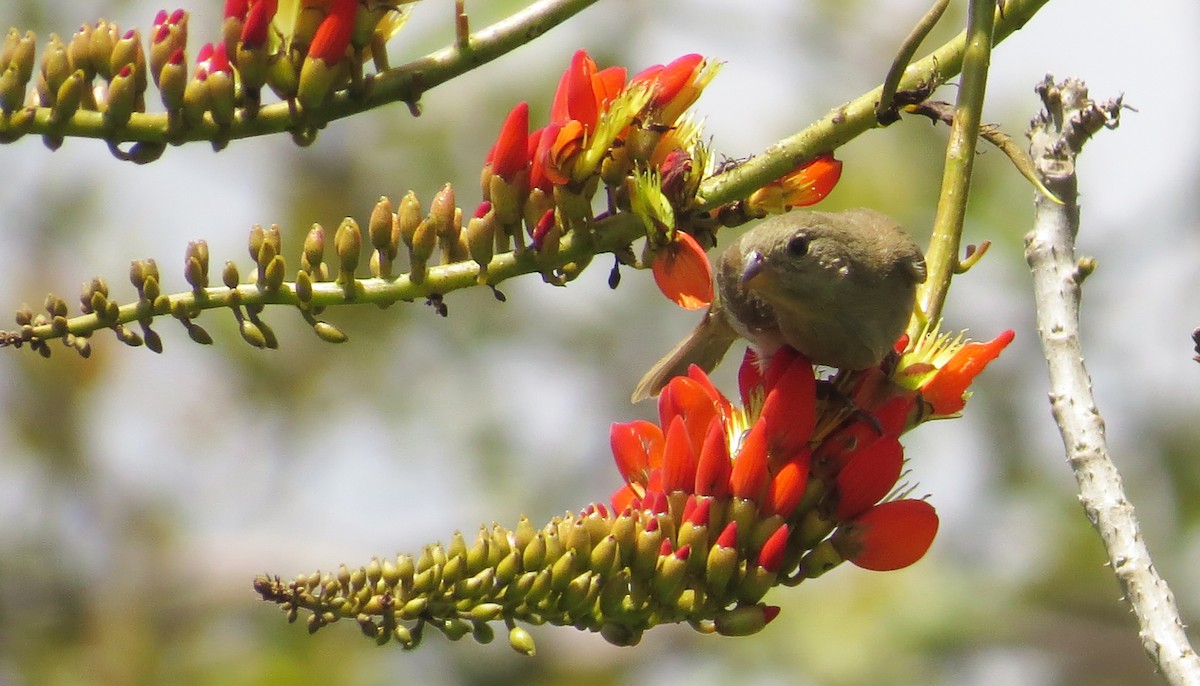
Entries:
{"x":838,"y":287}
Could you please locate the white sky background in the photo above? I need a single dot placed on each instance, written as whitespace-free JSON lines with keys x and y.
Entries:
{"x":1140,"y":221}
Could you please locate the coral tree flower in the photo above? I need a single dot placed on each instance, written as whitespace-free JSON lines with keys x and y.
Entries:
{"x":791,"y":456}
{"x":805,"y":185}
{"x":942,"y":366}
{"x":683,"y":273}
{"x":721,"y":503}
{"x":712,"y":448}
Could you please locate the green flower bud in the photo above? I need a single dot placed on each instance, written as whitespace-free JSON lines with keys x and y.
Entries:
{"x":379,"y":227}
{"x":605,"y":555}
{"x":347,"y":240}
{"x":12,"y":91}
{"x":481,"y":240}
{"x":822,"y":558}
{"x":173,"y":81}
{"x":229,"y":275}
{"x":521,"y":641}
{"x":275,"y":274}
{"x":222,"y":97}
{"x":104,"y":38}
{"x":252,"y":334}
{"x":196,"y":101}
{"x":744,"y":620}
{"x":56,"y":67}
{"x":408,"y":218}
{"x":70,"y":96}
{"x":79,"y":51}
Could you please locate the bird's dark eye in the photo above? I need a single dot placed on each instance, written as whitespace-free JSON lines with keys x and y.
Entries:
{"x":798,"y":246}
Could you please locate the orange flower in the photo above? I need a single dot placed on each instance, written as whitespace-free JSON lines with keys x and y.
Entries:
{"x":583,"y":92}
{"x":946,"y":392}
{"x":805,"y":185}
{"x":683,"y":272}
{"x":941,"y":367}
{"x":560,"y":146}
{"x":677,"y":85}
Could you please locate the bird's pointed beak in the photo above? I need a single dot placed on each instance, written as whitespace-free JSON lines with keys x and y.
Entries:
{"x":751,"y":268}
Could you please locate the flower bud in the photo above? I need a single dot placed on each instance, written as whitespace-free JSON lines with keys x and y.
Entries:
{"x":12,"y":92}
{"x":196,"y":99}
{"x":481,"y":241}
{"x":347,"y":240}
{"x":521,"y":641}
{"x":122,"y":97}
{"x":379,"y":227}
{"x":56,"y":68}
{"x":79,"y":51}
{"x":314,"y":249}
{"x":102,"y":40}
{"x":745,"y":620}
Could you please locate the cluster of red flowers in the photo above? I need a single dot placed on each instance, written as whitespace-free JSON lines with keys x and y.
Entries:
{"x":821,"y":469}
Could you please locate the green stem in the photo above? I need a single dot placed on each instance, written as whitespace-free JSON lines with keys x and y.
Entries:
{"x":884,"y":110}
{"x":854,"y":118}
{"x":405,"y":83}
{"x":610,"y":234}
{"x":942,"y":256}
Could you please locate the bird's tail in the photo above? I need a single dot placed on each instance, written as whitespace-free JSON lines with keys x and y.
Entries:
{"x":703,"y":347}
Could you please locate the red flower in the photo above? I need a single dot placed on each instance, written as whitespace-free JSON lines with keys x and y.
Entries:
{"x":683,"y":273}
{"x":715,"y":450}
{"x":332,"y":38}
{"x":560,"y":144}
{"x":868,"y":476}
{"x":234,"y":9}
{"x":946,"y":392}
{"x":805,"y":185}
{"x":941,"y":367}
{"x":676,"y":85}
{"x":258,"y":18}
{"x":583,"y":92}
{"x":510,"y":154}
{"x":889,"y":536}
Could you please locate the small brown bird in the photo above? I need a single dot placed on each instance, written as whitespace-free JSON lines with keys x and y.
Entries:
{"x":838,"y":287}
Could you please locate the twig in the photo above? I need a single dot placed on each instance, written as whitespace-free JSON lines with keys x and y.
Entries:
{"x":1057,"y":135}
{"x":853,"y":118}
{"x":885,"y":111}
{"x":939,"y":111}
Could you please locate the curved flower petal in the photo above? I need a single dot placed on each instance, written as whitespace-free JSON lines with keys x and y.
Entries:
{"x":805,"y":185}
{"x":749,"y":375}
{"x":689,"y":400}
{"x":749,"y":475}
{"x":869,"y":475}
{"x":637,"y":448}
{"x":683,"y":272}
{"x":787,"y":486}
{"x":714,"y":466}
{"x":790,"y":409}
{"x":889,"y":536}
{"x":510,"y":154}
{"x":332,"y":38}
{"x":575,"y":97}
{"x":679,"y":459}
